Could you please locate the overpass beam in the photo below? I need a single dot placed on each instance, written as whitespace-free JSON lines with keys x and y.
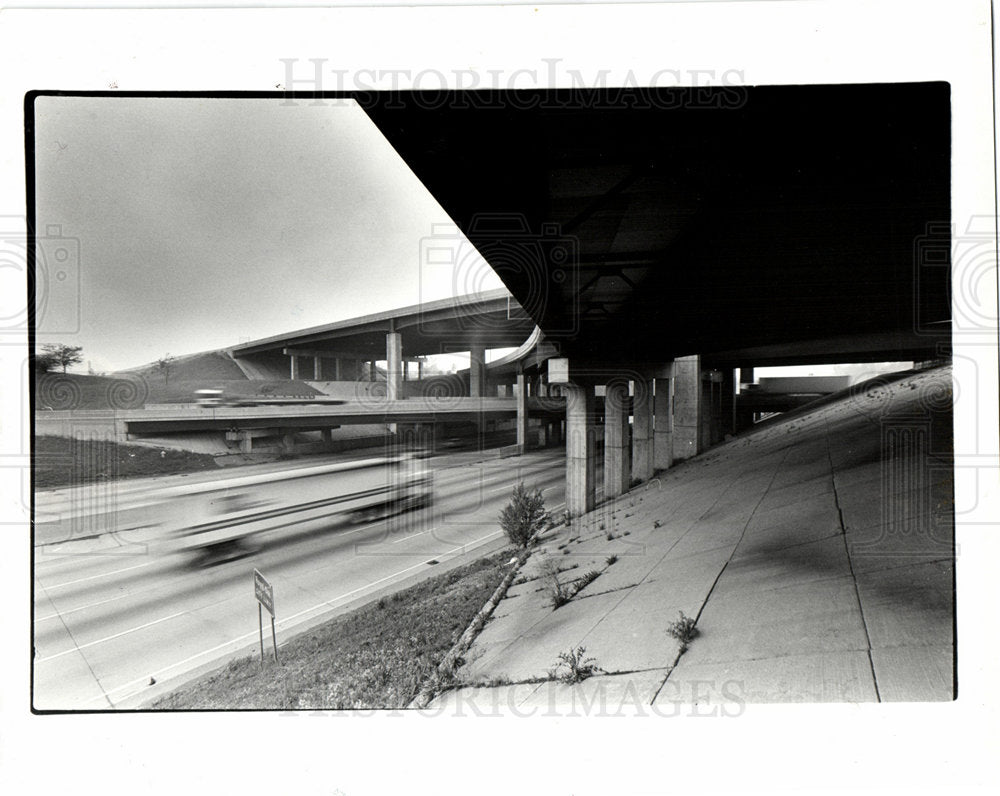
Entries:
{"x":581,"y":450}
{"x":394,"y":366}
{"x":642,"y":430}
{"x":663,"y":419}
{"x":687,"y":407}
{"x":617,"y":470}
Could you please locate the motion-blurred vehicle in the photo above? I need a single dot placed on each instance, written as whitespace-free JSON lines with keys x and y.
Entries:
{"x":221,"y":518}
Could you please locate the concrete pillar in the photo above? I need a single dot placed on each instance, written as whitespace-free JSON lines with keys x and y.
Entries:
{"x":521,"y":394}
{"x":663,"y":429}
{"x":617,"y":472}
{"x":317,"y":369}
{"x":393,"y":366}
{"x":477,"y":370}
{"x":336,"y":369}
{"x":581,"y":462}
{"x":687,"y":407}
{"x":728,"y":404}
{"x":420,"y":369}
{"x":246,"y":442}
{"x":372,"y":371}
{"x":327,"y":438}
{"x":642,"y":430}
{"x":295,"y":367}
{"x":288,"y":443}
{"x":746,"y":375}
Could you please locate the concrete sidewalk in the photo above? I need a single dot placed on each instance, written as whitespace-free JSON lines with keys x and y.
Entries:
{"x":816,"y":554}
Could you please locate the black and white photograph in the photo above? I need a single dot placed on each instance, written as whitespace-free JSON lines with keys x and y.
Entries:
{"x":424,"y":390}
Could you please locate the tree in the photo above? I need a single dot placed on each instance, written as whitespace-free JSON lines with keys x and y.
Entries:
{"x":524,"y":516}
{"x":164,"y":364}
{"x":59,"y":354}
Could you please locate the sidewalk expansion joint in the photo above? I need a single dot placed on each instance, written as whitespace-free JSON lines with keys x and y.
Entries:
{"x":850,"y":566}
{"x":715,"y":582}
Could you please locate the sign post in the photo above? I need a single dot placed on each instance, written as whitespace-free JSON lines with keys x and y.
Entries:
{"x":264,"y":593}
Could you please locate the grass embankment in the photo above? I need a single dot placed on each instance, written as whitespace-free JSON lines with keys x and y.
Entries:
{"x":374,"y":657}
{"x":62,"y":461}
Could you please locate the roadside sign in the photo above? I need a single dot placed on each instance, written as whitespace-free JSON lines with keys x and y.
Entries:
{"x":265,"y":597}
{"x":264,"y":592}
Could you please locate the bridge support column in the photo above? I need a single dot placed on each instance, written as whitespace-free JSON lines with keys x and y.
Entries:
{"x":294,"y":374}
{"x":394,"y":366}
{"x":642,"y":430}
{"x":246,"y":442}
{"x":477,"y":371}
{"x":617,"y":472}
{"x":663,"y":430}
{"x":728,"y":404}
{"x":687,"y":407}
{"x":581,"y":453}
{"x":327,"y":438}
{"x":521,"y":394}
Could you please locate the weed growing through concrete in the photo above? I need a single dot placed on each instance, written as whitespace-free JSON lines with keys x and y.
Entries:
{"x":559,"y":592}
{"x":683,"y":630}
{"x":610,"y":560}
{"x":585,"y":581}
{"x":573,"y":667}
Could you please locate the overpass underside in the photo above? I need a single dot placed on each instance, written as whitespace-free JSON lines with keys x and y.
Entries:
{"x":661,"y":239}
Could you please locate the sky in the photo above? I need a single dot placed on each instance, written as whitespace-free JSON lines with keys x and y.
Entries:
{"x":194,"y":224}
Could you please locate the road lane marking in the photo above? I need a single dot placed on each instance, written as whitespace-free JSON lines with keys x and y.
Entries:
{"x":109,"y":638}
{"x":100,"y":575}
{"x":58,"y":614}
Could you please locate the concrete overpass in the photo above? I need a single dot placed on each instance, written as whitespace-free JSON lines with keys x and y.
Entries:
{"x":243,"y":424}
{"x":661,"y":239}
{"x":349,"y":350}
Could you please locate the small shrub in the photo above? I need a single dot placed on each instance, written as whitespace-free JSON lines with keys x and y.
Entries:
{"x":609,"y":536}
{"x":573,"y":667}
{"x":610,"y":560}
{"x":683,"y":630}
{"x":524,"y":516}
{"x":657,"y":523}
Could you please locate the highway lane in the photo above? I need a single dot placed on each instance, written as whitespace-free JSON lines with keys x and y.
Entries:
{"x":111,"y":614}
